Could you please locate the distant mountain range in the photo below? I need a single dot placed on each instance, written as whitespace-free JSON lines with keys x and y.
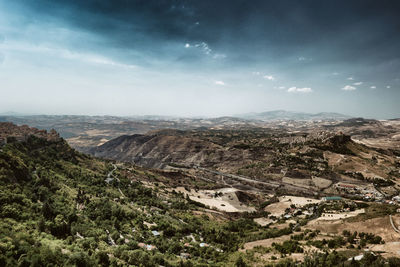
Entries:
{"x":291,"y":115}
{"x":261,"y":116}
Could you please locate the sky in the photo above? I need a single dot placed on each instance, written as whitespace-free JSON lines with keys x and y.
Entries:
{"x":200,"y":58}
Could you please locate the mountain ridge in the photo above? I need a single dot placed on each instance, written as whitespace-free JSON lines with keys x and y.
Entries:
{"x":292,"y":115}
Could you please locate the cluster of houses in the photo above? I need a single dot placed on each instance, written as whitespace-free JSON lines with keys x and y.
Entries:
{"x":366,"y":192}
{"x":395,"y":200}
{"x":332,"y":198}
{"x":296,"y":211}
{"x":303,"y":211}
{"x":183,"y":255}
{"x":147,"y":246}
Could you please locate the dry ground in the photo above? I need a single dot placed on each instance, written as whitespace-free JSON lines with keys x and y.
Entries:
{"x":338,"y":215}
{"x":277,"y":209}
{"x":265,"y":242}
{"x":228,"y":202}
{"x":378,"y":226}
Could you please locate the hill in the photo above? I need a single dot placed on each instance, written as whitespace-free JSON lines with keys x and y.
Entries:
{"x":290,"y":115}
{"x":63,"y":208}
{"x":265,"y":159}
{"x":60,"y":207}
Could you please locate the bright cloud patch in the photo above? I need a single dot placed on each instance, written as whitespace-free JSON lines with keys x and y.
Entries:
{"x":349,"y":88}
{"x":299,"y":90}
{"x":219,"y":56}
{"x":357,"y":83}
{"x":373,"y":87}
{"x":304,"y":59}
{"x":204,"y":46}
{"x":219,"y":83}
{"x":269,"y":77}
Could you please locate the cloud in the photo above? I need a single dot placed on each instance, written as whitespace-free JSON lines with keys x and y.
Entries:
{"x":157,"y":22}
{"x":50,"y":51}
{"x":219,"y":83}
{"x":335,"y":73}
{"x":304,"y":59}
{"x":205,"y":49}
{"x":373,"y":87}
{"x":350,"y":78}
{"x":357,"y":83}
{"x":349,"y":88}
{"x":388,"y":87}
{"x":256,"y":73}
{"x":204,"y":46}
{"x":269,"y":77}
{"x":299,"y":90}
{"x":93,"y":59}
{"x":219,"y":56}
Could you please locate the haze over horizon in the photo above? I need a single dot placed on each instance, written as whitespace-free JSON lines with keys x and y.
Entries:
{"x":200,"y":58}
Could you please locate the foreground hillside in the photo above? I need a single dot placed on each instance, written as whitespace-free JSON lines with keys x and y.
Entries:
{"x":60,"y":207}
{"x":63,"y":208}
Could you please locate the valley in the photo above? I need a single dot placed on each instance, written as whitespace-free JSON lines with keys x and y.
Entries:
{"x":277,"y":192}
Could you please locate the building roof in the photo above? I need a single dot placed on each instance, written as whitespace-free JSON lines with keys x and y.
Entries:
{"x":333,"y":198}
{"x":109,"y":180}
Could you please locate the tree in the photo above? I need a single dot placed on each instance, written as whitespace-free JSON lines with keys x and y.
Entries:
{"x":240,"y":262}
{"x":102,"y":258}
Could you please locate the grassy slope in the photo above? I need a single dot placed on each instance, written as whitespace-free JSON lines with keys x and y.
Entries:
{"x":52,"y":196}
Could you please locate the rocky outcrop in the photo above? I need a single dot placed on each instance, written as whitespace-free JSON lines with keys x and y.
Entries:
{"x":10,"y":132}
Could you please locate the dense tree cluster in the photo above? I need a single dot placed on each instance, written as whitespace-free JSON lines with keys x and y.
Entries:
{"x":57,"y":209}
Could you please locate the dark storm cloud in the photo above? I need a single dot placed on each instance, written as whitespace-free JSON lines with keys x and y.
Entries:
{"x":124,"y":24}
{"x":351,"y":30}
{"x":274,"y":54}
{"x":364,"y":31}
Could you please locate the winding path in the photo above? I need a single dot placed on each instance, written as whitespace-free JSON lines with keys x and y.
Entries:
{"x":110,"y":174}
{"x":393,"y":226}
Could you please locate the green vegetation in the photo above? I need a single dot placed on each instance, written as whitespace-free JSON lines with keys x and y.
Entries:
{"x":288,"y":247}
{"x":374,"y":210}
{"x":57,"y":210}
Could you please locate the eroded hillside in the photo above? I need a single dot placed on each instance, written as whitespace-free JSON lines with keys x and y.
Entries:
{"x":265,"y":159}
